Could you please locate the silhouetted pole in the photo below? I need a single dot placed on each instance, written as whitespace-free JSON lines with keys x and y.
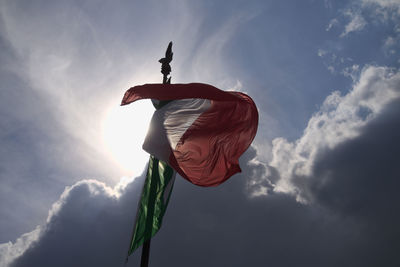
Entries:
{"x":144,"y":261}
{"x":165,"y":70}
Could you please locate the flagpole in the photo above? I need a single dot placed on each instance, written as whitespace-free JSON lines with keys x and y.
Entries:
{"x":144,"y":260}
{"x":165,"y":70}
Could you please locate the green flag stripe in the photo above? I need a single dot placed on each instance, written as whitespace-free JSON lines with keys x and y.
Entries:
{"x":151,"y":199}
{"x":154,"y":200}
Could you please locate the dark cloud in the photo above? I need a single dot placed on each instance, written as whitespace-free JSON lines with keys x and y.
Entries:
{"x":340,"y":119}
{"x":360,"y":179}
{"x":222,"y":226}
{"x":88,"y":226}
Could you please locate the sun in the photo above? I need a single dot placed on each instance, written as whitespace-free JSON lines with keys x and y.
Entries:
{"x":123,"y":131}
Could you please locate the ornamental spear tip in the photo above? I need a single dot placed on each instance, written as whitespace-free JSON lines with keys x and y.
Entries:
{"x":165,"y":67}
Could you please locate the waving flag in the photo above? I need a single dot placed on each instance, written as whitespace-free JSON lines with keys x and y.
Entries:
{"x":153,"y":203}
{"x":202,"y":133}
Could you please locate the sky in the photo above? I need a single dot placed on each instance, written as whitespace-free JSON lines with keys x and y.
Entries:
{"x":319,"y":185}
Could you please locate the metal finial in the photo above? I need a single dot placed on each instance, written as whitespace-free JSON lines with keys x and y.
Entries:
{"x":165,"y":67}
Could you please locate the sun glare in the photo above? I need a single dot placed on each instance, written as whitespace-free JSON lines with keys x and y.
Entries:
{"x":124,"y":130}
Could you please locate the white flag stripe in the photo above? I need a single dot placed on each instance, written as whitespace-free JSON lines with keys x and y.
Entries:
{"x":180,"y":115}
{"x":170,"y":122}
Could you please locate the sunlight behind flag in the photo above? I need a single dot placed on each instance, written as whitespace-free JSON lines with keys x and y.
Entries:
{"x":123,"y":132}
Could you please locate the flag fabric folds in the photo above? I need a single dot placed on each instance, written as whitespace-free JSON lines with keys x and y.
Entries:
{"x":153,"y":203}
{"x":202,"y":133}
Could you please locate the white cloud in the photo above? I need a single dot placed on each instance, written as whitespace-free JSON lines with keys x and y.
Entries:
{"x":331,"y":24}
{"x":339,"y":119}
{"x":361,"y":13}
{"x":383,"y":10}
{"x":352,"y":72}
{"x":357,"y":23}
{"x":322,"y":52}
{"x":336,"y":64}
{"x":390,"y":41}
{"x":393,"y":4}
{"x":10,"y":251}
{"x":389,"y":45}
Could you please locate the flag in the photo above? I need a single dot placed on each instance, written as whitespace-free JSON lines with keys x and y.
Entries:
{"x":153,"y":203}
{"x":202,"y":133}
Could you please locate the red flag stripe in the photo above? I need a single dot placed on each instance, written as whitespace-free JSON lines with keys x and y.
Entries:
{"x":208,"y":153}
{"x":176,"y":91}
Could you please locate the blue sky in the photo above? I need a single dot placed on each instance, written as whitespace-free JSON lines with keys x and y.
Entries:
{"x":321,"y":171}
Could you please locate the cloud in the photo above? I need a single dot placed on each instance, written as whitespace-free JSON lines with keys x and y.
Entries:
{"x":340,"y":118}
{"x":382,"y":7}
{"x":358,"y":176}
{"x":357,"y":23}
{"x":331,"y":24}
{"x":322,"y":52}
{"x":10,"y":251}
{"x":89,"y":225}
{"x":359,"y":179}
{"x":352,"y":71}
{"x":389,"y":46}
{"x":382,"y":11}
{"x":334,"y":63}
{"x":363,"y":12}
{"x":390,"y":41}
